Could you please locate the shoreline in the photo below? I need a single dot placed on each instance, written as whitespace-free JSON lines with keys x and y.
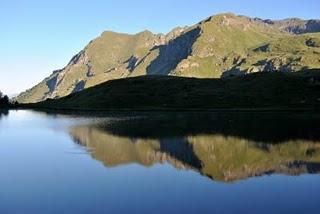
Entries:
{"x":65,"y":109}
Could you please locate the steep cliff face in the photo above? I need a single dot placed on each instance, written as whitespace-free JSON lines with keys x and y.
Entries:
{"x":222,"y":45}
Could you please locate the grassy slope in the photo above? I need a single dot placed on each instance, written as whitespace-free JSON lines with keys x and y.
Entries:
{"x":293,"y":50}
{"x":225,"y":41}
{"x":102,"y":54}
{"x":259,"y":90}
{"x":224,"y":38}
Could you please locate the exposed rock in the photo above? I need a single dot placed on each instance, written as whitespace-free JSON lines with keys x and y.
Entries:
{"x":57,"y":71}
{"x":313,"y":42}
{"x":195,"y":64}
{"x":269,"y":65}
{"x":225,"y":21}
{"x":160,"y":40}
{"x":90,"y":72}
{"x":185,"y":64}
{"x":206,"y":20}
{"x":78,"y":58}
{"x":175,"y":33}
{"x":111,"y":70}
{"x":273,"y":65}
{"x":277,"y":64}
{"x":206,"y":52}
{"x":239,"y":60}
{"x":233,"y":72}
{"x":254,"y":69}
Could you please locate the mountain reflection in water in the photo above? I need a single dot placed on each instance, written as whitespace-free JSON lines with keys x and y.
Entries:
{"x":222,"y":146}
{"x":3,"y":113}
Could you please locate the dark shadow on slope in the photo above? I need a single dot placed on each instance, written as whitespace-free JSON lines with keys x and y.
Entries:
{"x":132,"y":63}
{"x":263,"y":48}
{"x":79,"y":86}
{"x":172,"y":53}
{"x":51,"y":83}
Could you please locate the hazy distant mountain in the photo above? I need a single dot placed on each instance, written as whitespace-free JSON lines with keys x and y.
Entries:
{"x":220,"y":46}
{"x":295,"y":25}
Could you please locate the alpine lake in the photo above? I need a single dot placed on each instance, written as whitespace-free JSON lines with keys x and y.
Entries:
{"x":159,"y":162}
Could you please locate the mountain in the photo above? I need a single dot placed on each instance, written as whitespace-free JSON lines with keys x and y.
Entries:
{"x":219,"y":46}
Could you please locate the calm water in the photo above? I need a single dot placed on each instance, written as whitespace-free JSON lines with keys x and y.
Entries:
{"x":159,"y":163}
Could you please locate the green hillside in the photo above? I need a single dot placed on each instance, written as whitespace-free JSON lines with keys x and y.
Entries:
{"x":103,"y":59}
{"x":220,"y":46}
{"x":258,"y":90}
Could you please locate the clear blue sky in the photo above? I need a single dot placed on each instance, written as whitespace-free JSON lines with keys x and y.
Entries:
{"x":38,"y":36}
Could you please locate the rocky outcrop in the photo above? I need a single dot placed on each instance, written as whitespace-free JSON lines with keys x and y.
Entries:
{"x":274,"y":65}
{"x":313,"y":42}
{"x":233,"y":72}
{"x":90,"y":72}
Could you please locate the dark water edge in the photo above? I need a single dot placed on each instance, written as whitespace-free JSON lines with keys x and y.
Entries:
{"x":82,"y":110}
{"x":293,"y":123}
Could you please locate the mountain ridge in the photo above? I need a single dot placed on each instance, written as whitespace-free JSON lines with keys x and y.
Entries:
{"x":219,"y":46}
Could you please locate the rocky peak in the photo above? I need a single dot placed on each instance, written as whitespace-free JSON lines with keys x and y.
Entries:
{"x":162,"y":39}
{"x":174,"y":33}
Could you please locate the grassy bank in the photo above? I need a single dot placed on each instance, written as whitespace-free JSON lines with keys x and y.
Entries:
{"x":278,"y":91}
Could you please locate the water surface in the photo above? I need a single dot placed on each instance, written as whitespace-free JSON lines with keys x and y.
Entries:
{"x":159,"y":162}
